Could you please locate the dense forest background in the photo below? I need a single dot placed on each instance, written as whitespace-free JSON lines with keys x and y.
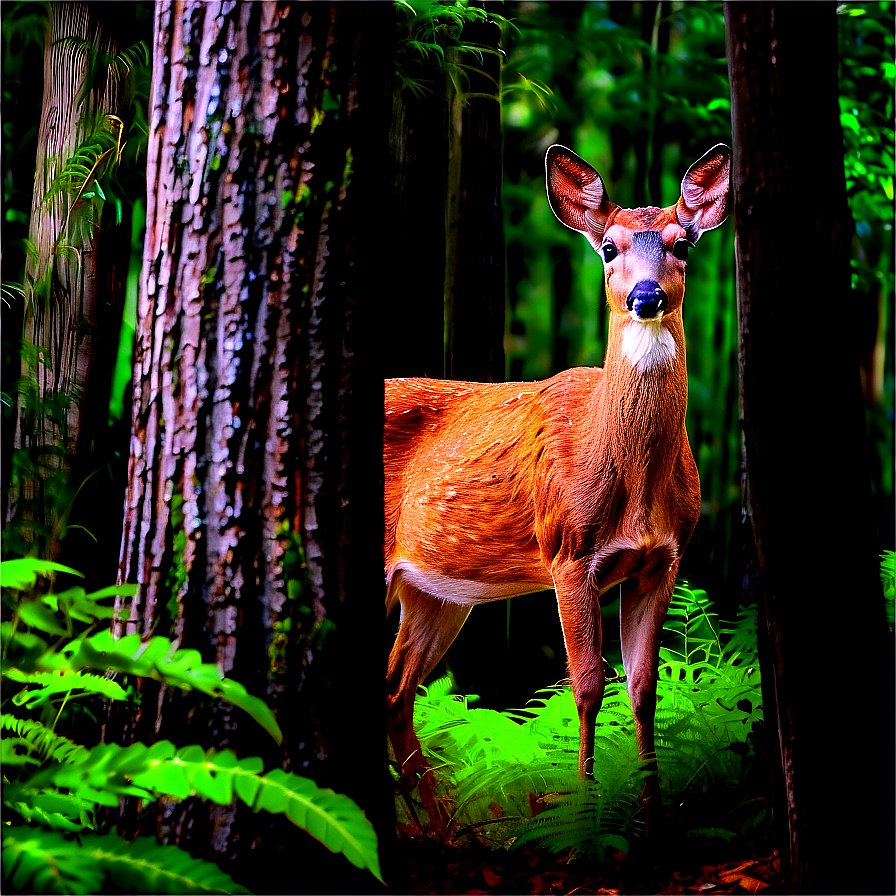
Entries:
{"x":640,"y":90}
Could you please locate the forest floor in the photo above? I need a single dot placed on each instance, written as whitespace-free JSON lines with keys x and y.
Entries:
{"x":443,"y":868}
{"x":672,"y":864}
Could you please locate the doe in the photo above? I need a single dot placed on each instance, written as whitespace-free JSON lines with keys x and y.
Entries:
{"x":577,"y":483}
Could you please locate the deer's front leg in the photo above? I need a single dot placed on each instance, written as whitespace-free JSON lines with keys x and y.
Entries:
{"x":580,"y":618}
{"x":642,"y":612}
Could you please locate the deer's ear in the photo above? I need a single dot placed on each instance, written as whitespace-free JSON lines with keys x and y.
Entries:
{"x":705,"y":193}
{"x":576,"y":193}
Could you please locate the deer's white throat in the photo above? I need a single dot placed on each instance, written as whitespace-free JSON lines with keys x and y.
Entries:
{"x":647,"y":344}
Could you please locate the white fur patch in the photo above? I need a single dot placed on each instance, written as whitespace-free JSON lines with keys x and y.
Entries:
{"x":647,"y":344}
{"x":462,"y":591}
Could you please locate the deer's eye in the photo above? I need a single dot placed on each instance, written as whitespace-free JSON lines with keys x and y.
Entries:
{"x":609,"y":252}
{"x":680,"y":249}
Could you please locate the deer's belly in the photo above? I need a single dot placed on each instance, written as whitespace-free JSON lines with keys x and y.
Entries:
{"x":466,"y":591}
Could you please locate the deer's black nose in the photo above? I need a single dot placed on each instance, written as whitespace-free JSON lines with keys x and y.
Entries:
{"x":647,"y":299}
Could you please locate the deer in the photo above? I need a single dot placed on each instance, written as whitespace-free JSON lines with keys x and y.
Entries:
{"x":578,"y":483}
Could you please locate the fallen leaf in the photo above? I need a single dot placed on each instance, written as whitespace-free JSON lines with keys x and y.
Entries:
{"x":752,"y":884}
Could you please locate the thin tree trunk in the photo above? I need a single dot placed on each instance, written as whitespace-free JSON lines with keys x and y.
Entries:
{"x":414,"y":226}
{"x":474,"y":248}
{"x":74,"y":285}
{"x":806,"y":451}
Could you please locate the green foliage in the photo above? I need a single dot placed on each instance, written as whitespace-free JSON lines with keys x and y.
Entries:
{"x":515,"y":772}
{"x":40,"y":861}
{"x":53,"y":785}
{"x":82,"y":178}
{"x":867,"y":83}
{"x":94,"y":185}
{"x":431,"y":43}
{"x":888,"y":581}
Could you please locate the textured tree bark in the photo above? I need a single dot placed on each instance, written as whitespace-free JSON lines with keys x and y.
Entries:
{"x":805,"y":445}
{"x":257,"y":421}
{"x":74,"y":287}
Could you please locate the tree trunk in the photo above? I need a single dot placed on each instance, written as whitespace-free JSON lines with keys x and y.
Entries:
{"x":446,"y":290}
{"x":474,"y":248}
{"x":257,"y":413}
{"x":414,"y":224}
{"x":806,"y":449}
{"x":74,"y":289}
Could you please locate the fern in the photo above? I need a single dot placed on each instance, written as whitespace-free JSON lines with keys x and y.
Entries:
{"x":53,"y":809}
{"x":40,"y":742}
{"x":108,"y":771}
{"x":64,"y":682}
{"x":429,"y":28}
{"x":46,"y":862}
{"x":888,"y":581}
{"x":57,"y":784}
{"x":157,"y":658}
{"x":516,"y":771}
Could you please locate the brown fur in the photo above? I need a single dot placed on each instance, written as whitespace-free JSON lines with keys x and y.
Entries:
{"x":579,"y":482}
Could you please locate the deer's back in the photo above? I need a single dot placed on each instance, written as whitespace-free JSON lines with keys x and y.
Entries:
{"x":464,"y":461}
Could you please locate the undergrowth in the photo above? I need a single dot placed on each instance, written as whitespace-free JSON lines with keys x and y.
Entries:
{"x":513,"y":775}
{"x":53,"y":785}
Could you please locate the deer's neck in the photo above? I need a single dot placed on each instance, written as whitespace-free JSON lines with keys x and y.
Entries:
{"x":642,"y":405}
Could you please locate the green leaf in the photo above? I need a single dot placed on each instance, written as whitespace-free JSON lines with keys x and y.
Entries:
{"x":36,"y":614}
{"x":159,"y":659}
{"x":332,"y":818}
{"x":22,"y":574}
{"x":43,"y":742}
{"x":22,"y":649}
{"x":63,"y":682}
{"x":41,"y":861}
{"x":84,"y":607}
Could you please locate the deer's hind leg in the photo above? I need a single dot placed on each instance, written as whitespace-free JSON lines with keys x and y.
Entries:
{"x":428,"y":626}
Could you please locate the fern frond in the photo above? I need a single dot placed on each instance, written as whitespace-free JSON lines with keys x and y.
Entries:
{"x":40,"y":861}
{"x":44,"y":743}
{"x":888,"y":581}
{"x":59,"y":811}
{"x":64,"y":682}
{"x":159,"y":658}
{"x":101,"y":775}
{"x":579,"y":820}
{"x":332,"y":818}
{"x":708,"y":702}
{"x":48,"y":684}
{"x":108,"y":771}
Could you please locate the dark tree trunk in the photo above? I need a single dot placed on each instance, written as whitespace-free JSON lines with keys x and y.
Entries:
{"x":807,"y":454}
{"x":412,"y":216}
{"x":257,"y":420}
{"x":443,"y":227}
{"x":474,"y":257}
